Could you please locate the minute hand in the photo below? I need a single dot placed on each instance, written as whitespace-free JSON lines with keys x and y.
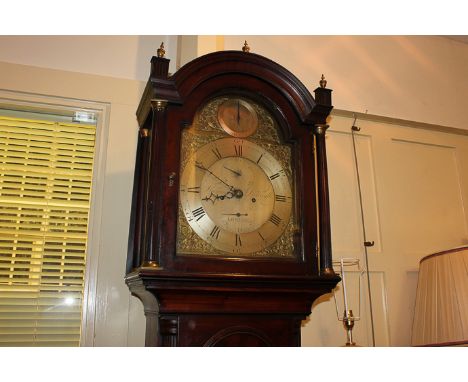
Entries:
{"x":200,"y":166}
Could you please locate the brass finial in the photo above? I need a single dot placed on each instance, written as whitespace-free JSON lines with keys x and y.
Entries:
{"x":246,"y":47}
{"x":323,"y":82}
{"x":161,"y":52}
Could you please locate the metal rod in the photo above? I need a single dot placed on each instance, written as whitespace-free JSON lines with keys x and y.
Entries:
{"x":343,"y":280}
{"x":353,"y":129}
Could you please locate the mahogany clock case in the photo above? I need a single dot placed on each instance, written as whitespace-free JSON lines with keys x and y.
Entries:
{"x":205,"y":287}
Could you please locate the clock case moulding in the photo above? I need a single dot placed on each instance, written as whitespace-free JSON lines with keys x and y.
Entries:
{"x":221,"y":301}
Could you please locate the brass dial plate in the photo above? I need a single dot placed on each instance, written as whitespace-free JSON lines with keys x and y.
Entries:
{"x":236,"y":196}
{"x":206,"y":129}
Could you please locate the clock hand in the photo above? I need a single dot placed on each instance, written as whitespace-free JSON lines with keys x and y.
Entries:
{"x":234,"y":171}
{"x":238,"y":214}
{"x":238,"y":113}
{"x":214,"y":197}
{"x":238,"y":194}
{"x":200,"y":166}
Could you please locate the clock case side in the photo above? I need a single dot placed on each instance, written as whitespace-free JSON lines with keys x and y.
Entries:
{"x":167,"y":106}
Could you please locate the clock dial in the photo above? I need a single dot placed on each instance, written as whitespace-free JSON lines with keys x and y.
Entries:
{"x":237,"y":117}
{"x":235,"y":195}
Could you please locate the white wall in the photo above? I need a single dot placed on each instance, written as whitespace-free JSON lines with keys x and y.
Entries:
{"x":112,"y":56}
{"x":417,"y":78}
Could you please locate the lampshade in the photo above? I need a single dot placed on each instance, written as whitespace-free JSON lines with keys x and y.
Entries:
{"x":441,"y":311}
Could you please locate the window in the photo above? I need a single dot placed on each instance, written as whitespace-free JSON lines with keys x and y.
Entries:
{"x":46,"y":172}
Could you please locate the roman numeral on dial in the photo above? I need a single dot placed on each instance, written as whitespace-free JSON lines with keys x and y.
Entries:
{"x":215,"y":232}
{"x":274,"y":176}
{"x":238,"y":150}
{"x":238,"y":240}
{"x":275,"y":219}
{"x":216,"y":153}
{"x":198,"y":213}
{"x":280,"y":198}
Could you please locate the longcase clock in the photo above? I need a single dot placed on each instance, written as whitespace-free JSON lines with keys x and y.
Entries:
{"x":229,"y":239}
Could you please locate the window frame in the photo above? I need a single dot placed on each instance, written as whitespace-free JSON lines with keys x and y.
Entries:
{"x":52,"y":104}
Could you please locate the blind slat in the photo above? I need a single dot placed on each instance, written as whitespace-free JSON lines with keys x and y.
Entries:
{"x":54,"y":130}
{"x":14,"y":258}
{"x":20,"y":145}
{"x":45,"y":186}
{"x":24,"y":147}
{"x":42,"y":169}
{"x":8,"y":205}
{"x":21,"y":323}
{"x":28,"y":202}
{"x":41,"y":288}
{"x":8,"y":151}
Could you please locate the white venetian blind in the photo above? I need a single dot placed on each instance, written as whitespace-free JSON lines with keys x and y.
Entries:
{"x":45,"y":184}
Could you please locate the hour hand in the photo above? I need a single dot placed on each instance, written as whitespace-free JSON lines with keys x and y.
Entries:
{"x":238,"y":214}
{"x":237,"y":173}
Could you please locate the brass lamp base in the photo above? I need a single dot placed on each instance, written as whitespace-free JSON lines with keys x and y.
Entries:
{"x":348,"y":322}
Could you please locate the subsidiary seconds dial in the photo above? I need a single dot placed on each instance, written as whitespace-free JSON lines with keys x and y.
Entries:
{"x":237,"y":117}
{"x":236,"y":196}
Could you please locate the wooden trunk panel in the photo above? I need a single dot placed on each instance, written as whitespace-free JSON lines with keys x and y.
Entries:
{"x":231,"y":330}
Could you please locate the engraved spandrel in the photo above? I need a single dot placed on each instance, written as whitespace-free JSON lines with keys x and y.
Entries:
{"x":266,"y":131}
{"x":207,"y":120}
{"x":188,"y":242}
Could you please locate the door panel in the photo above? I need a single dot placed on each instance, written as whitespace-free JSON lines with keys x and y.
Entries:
{"x":427,"y":190}
{"x":344,"y":193}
